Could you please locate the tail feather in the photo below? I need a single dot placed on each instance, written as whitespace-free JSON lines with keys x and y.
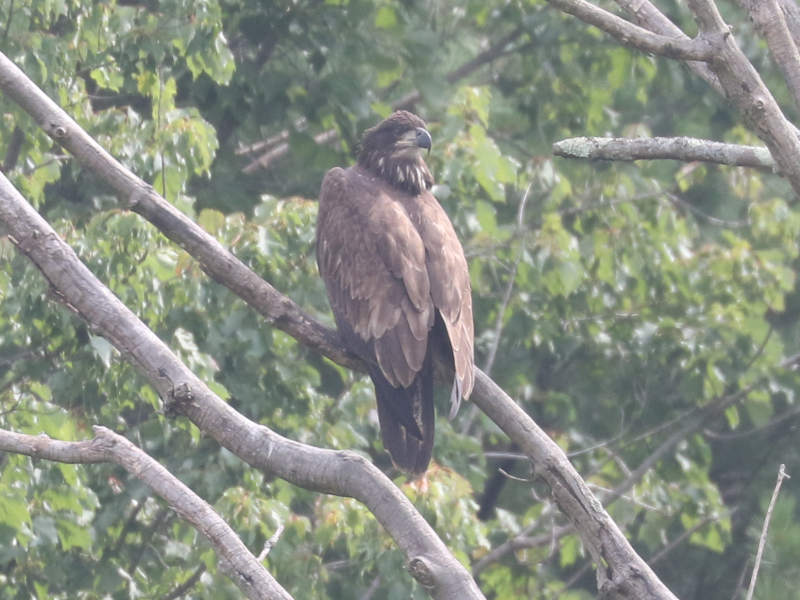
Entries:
{"x":407,"y":418}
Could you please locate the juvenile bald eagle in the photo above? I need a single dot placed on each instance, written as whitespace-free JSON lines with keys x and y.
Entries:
{"x":397,"y":281}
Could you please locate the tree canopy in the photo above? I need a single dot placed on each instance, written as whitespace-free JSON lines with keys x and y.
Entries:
{"x":645,"y":313}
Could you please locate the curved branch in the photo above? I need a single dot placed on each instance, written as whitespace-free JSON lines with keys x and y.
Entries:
{"x":239,"y":564}
{"x":676,"y":148}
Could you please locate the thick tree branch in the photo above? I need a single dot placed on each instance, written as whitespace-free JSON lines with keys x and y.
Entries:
{"x":770,"y":22}
{"x":623,"y":573}
{"x":237,"y":561}
{"x":791,"y":14}
{"x":677,"y":46}
{"x":677,"y":148}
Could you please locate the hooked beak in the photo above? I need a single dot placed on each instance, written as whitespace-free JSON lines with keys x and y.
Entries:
{"x":423,"y":139}
{"x":412,"y":141}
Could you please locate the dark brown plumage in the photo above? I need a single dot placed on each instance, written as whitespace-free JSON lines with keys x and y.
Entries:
{"x":397,"y":281}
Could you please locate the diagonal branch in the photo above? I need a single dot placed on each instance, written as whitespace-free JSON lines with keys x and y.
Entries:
{"x":623,"y":574}
{"x":236,"y":560}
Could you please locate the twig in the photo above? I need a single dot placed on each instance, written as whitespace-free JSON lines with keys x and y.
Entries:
{"x":782,"y":474}
{"x":501,"y":310}
{"x":373,"y":587}
{"x":663,"y":552}
{"x":498,"y":326}
{"x":676,"y":199}
{"x":270,"y":543}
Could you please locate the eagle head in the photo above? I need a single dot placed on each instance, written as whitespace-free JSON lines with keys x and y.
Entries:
{"x":393,"y":151}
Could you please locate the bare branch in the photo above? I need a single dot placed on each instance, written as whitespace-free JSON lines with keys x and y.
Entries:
{"x":677,"y":148}
{"x":270,"y":543}
{"x":243,"y":568}
{"x":769,"y":21}
{"x":737,"y":77}
{"x":678,"y":46}
{"x":183,"y":589}
{"x":782,"y":474}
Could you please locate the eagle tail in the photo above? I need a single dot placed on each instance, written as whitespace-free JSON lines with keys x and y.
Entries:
{"x":407,"y":418}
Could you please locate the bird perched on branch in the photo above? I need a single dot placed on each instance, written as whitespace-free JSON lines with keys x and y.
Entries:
{"x":397,"y":282}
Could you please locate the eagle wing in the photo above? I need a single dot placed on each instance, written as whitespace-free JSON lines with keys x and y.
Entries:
{"x":373,"y":262}
{"x":450,"y":289}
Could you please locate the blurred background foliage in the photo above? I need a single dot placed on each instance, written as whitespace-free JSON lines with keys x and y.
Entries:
{"x":615,"y":302}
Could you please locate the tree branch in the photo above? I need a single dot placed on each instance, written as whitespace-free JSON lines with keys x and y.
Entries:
{"x":677,"y":148}
{"x":242,"y":567}
{"x":672,"y":46}
{"x":623,"y":574}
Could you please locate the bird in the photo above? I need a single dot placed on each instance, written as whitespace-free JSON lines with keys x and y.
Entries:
{"x":398,"y":282}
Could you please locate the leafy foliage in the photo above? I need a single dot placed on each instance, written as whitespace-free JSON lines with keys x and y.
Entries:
{"x":617,"y":300}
